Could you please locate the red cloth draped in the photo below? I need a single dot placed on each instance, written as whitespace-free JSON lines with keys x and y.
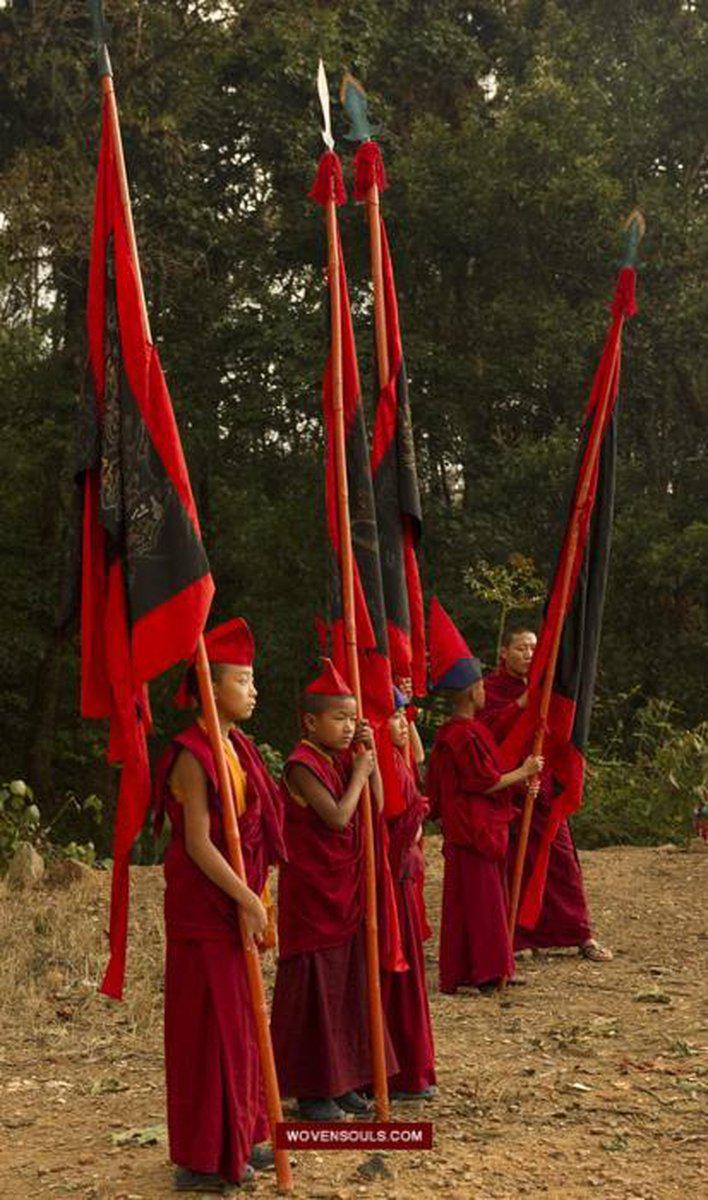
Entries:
{"x":319,"y":1017}
{"x":145,"y":581}
{"x":194,"y":906}
{"x":475,"y":947}
{"x":464,"y":764}
{"x":321,"y":886}
{"x":404,"y":995}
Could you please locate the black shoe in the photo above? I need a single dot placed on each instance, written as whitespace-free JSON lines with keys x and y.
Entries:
{"x":352,"y":1102}
{"x":426,"y":1093}
{"x":320,"y":1109}
{"x":262,"y":1158}
{"x":198,"y":1181}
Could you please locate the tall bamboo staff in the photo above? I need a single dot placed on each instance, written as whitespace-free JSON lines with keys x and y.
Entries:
{"x":206,"y":691}
{"x":376,"y":1022}
{"x":635,"y":230}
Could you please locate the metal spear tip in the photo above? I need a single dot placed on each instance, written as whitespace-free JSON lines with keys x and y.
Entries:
{"x":634,"y":229}
{"x":323,"y":93}
{"x":353,"y":99}
{"x":100,"y":37}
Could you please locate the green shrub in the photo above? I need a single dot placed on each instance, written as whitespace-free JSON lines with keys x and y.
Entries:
{"x":650,"y":799}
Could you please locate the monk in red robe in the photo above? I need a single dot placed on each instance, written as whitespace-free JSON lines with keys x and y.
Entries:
{"x":215,"y":1102}
{"x":320,"y":1021}
{"x":404,"y":993}
{"x":471,"y":794}
{"x":564,"y":919}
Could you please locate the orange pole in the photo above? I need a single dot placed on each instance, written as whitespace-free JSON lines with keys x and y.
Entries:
{"x":376,"y":1025}
{"x":374,"y":217}
{"x":233,"y":841}
{"x":547,"y":688}
{"x":373,"y":213}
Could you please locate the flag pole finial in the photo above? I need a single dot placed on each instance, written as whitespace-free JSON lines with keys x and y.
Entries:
{"x":634,"y":229}
{"x":98,"y":22}
{"x":323,"y":93}
{"x":353,"y":99}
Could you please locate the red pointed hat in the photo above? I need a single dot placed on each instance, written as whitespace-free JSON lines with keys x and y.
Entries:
{"x":452,"y":663}
{"x":232,"y":642}
{"x":329,"y":682}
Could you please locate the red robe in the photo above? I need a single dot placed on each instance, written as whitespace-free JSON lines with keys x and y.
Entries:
{"x":215,"y":1101}
{"x":319,"y":1019}
{"x":474,"y":941}
{"x":404,"y":994}
{"x":564,"y":918}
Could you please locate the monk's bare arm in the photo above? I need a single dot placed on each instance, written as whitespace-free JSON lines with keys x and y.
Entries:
{"x":417,"y":749}
{"x":531,"y":766}
{"x":335,"y":814}
{"x":364,"y":736}
{"x":190,"y":782}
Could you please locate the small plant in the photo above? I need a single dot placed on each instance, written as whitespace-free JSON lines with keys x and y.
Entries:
{"x":19,"y":818}
{"x":509,"y":586}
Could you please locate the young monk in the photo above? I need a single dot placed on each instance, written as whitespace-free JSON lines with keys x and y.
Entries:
{"x":469,"y":791}
{"x":215,"y":1105}
{"x":404,"y":994}
{"x":320,"y":1022}
{"x":564,"y":919}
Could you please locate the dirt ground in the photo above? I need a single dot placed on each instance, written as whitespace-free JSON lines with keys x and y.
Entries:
{"x":586,"y":1081}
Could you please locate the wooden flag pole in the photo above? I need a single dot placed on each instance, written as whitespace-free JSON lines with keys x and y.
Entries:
{"x":549,"y":676}
{"x":206,"y":690}
{"x":376,"y":1024}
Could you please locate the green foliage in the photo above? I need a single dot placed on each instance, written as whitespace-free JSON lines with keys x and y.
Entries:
{"x":508,"y":586}
{"x":517,"y":137}
{"x":19,"y":818}
{"x":652,"y":797}
{"x":273,"y":759}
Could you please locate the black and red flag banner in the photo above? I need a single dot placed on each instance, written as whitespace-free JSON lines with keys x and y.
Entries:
{"x":145,"y":581}
{"x":372,"y":641}
{"x":393,"y":467}
{"x":575,"y":602}
{"x":370,"y":615}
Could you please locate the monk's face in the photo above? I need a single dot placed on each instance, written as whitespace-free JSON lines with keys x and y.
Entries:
{"x":334,"y":727}
{"x":404,"y":683}
{"x":477,"y":694}
{"x":518,"y":654}
{"x":398,"y":728}
{"x":235,"y":692}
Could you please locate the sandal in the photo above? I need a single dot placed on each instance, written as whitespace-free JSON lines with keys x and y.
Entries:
{"x":594,"y":952}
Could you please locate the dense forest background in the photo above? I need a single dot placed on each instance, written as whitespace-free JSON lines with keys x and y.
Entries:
{"x":517,"y":137}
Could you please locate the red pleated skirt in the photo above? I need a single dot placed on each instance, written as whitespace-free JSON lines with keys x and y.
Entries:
{"x":320,"y":1022}
{"x":475,"y":947}
{"x":215,"y":1102}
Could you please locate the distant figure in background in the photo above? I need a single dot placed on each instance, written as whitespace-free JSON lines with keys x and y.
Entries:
{"x":564,"y":919}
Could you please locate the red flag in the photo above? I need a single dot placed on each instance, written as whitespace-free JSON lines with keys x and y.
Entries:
{"x":575,"y":603}
{"x":145,"y":581}
{"x":372,"y":645}
{"x":393,"y":467}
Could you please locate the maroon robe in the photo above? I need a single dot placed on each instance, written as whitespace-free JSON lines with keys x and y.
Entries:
{"x":564,"y":918}
{"x":404,"y":994}
{"x":474,"y":940}
{"x":215,"y":1100}
{"x":319,"y":1019}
